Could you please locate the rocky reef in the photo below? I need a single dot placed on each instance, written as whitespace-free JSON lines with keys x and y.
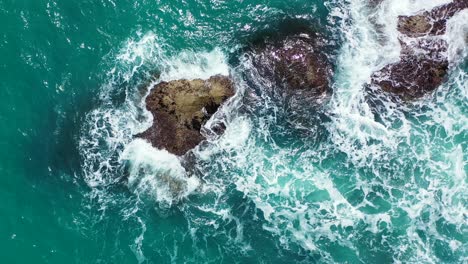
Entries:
{"x":423,"y":63}
{"x":180,"y":108}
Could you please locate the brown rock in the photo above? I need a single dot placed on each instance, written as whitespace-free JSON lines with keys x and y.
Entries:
{"x":180,"y":108}
{"x":432,"y":22}
{"x":414,"y":26}
{"x":297,"y":64}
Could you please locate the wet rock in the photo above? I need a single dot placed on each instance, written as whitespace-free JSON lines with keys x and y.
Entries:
{"x":296,"y":64}
{"x":180,"y":108}
{"x":432,"y":22}
{"x":423,"y":62}
{"x":421,"y":69}
{"x":412,"y":77}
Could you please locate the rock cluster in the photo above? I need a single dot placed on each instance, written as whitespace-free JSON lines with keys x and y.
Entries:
{"x":181,"y":107}
{"x":423,"y":64}
{"x":298,"y":67}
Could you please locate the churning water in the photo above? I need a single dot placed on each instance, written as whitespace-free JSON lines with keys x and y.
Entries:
{"x":361,"y":180}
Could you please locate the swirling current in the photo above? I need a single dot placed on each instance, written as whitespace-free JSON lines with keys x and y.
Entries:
{"x":357,"y":181}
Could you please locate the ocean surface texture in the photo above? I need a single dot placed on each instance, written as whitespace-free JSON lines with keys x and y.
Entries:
{"x":339,"y":184}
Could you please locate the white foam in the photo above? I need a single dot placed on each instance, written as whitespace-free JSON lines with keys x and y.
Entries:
{"x":456,"y":36}
{"x":138,"y":243}
{"x":190,"y":65}
{"x":156,"y":172}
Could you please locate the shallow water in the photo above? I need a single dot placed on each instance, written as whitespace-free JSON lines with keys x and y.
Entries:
{"x":346,"y":183}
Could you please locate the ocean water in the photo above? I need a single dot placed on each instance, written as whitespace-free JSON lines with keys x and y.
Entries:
{"x":359,"y":181}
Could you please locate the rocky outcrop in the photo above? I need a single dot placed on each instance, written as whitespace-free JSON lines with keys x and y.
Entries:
{"x":297,"y":65}
{"x":423,"y":63}
{"x":180,"y":108}
{"x":421,"y":69}
{"x":432,"y":22}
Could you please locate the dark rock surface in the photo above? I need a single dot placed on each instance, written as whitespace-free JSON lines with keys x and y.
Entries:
{"x":421,"y":69}
{"x":412,"y":77}
{"x":180,"y":108}
{"x":297,"y":64}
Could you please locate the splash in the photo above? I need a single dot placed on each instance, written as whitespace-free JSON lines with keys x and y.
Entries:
{"x":156,"y":173}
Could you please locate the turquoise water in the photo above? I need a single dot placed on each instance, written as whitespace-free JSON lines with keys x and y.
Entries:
{"x":346,"y":184}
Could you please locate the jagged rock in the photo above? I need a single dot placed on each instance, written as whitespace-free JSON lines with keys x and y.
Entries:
{"x":412,"y":77}
{"x":423,"y":63}
{"x":421,"y":69}
{"x":297,"y":64}
{"x":180,"y":108}
{"x":432,"y":22}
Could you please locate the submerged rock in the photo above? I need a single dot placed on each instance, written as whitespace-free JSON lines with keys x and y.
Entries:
{"x":432,"y":22}
{"x":423,"y":63}
{"x":180,"y":108}
{"x":297,"y":64}
{"x":374,"y":3}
